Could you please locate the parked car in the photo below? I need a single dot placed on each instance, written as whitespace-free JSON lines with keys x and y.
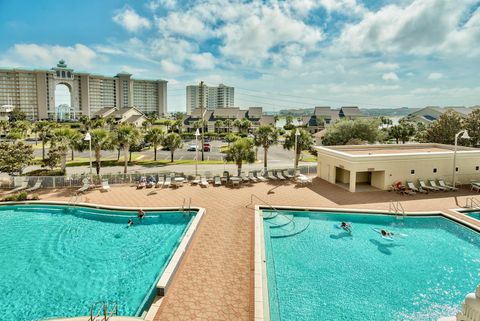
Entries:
{"x":207,"y":147}
{"x":192,"y":148}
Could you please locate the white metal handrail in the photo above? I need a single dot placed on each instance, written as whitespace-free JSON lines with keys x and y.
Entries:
{"x":103,"y":313}
{"x":396,"y":207}
{"x":474,"y":202}
{"x":271,"y":207}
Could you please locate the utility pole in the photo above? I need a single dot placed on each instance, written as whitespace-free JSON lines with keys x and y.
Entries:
{"x":202,"y":94}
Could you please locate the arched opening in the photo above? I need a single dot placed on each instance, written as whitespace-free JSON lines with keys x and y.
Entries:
{"x":63,"y":103}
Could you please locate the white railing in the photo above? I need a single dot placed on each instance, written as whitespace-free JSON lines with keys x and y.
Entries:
{"x":473,"y":202}
{"x":100,"y":311}
{"x":395,"y":207}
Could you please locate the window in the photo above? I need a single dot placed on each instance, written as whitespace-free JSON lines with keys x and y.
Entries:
{"x":456,"y":169}
{"x":434,"y":170}
{"x":477,"y":168}
{"x":412,"y":172}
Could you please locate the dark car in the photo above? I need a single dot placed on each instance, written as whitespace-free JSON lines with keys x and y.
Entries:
{"x":207,"y":147}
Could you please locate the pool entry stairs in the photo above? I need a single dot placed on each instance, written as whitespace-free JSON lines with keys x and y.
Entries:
{"x":285,"y":225}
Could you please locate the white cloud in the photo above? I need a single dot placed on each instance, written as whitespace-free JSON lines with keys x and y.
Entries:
{"x":155,"y":4}
{"x":386,"y":66}
{"x":169,"y":67}
{"x":131,"y":20}
{"x":203,"y":61}
{"x":186,"y":24}
{"x":27,"y":55}
{"x":390,"y":76}
{"x":435,"y":76}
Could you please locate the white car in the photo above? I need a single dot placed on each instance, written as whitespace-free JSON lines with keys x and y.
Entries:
{"x":192,"y":148}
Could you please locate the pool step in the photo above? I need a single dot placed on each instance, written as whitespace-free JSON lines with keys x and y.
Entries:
{"x":269,"y":215}
{"x":297,"y":226}
{"x":279,"y":220}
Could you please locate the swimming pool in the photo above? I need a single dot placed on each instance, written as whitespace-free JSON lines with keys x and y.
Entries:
{"x":323,"y":273}
{"x":57,"y":261}
{"x":475,"y":215}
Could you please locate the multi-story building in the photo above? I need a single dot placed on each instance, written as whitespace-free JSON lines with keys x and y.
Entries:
{"x":33,"y":91}
{"x":210,"y":97}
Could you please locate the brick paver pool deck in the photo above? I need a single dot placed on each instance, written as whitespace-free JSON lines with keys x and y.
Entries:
{"x":215,"y":278}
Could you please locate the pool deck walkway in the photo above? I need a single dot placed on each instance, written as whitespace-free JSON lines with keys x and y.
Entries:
{"x":215,"y":278}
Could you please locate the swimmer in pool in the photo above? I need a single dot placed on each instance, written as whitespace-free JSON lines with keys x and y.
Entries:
{"x":347,"y":227}
{"x":130,"y":222}
{"x":386,"y":233}
{"x":140,"y":214}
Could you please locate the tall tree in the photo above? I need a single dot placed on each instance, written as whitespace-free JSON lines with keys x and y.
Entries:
{"x":304,"y":142}
{"x":402,"y":132}
{"x":472,"y":125}
{"x":265,"y":136}
{"x":14,"y":157}
{"x":172,"y":142}
{"x":218,"y":125}
{"x":62,"y":141}
{"x":362,"y":129}
{"x":155,"y":136}
{"x":16,"y":114}
{"x":101,"y":140}
{"x":241,"y":150}
{"x":125,"y":136}
{"x":228,"y":124}
{"x":444,"y":129}
{"x":44,"y":131}
{"x":19,"y":129}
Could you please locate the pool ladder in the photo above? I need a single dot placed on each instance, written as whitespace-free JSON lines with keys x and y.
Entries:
{"x":73,"y":200}
{"x":473,"y":202}
{"x":100,"y":311}
{"x":186,"y":205}
{"x":397,"y":209}
{"x":277,"y":212}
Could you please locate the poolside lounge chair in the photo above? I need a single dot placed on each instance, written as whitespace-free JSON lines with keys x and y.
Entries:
{"x":151,"y":181}
{"x":286,"y":174}
{"x":22,"y":186}
{"x":217,"y":181}
{"x":424,"y":186}
{"x":244,"y":177}
{"x":236,"y":180}
{"x":161,"y":180}
{"x":203,"y":182}
{"x":168,"y":181}
{"x":85,"y":187}
{"x":142,"y":183}
{"x":271,"y":176}
{"x":196,"y":180}
{"x":252,"y":177}
{"x":105,"y":185}
{"x":259,"y":176}
{"x":226,"y":177}
{"x":37,"y":185}
{"x":433,"y":184}
{"x":302,"y":179}
{"x":475,"y":186}
{"x":279,"y":175}
{"x":412,"y":187}
{"x":442,"y":183}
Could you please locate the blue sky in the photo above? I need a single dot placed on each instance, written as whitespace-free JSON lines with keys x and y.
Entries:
{"x":278,"y":54}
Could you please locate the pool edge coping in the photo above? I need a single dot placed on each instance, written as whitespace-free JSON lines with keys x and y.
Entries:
{"x":164,"y":281}
{"x":261,"y":299}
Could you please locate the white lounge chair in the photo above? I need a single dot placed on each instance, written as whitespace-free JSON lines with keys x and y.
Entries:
{"x":271,"y":176}
{"x":168,"y":181}
{"x":442,"y":183}
{"x":217,"y":181}
{"x":37,"y":185}
{"x":161,"y":180}
{"x":203,"y":181}
{"x":105,"y":185}
{"x":412,"y":187}
{"x":279,"y":175}
{"x":259,"y":177}
{"x":424,"y":186}
{"x":244,"y":177}
{"x":475,"y":186}
{"x":196,"y":180}
{"x":252,"y":177}
{"x":85,"y":187}
{"x":434,"y":185}
{"x":22,"y":186}
{"x":286,"y":174}
{"x":302,"y":179}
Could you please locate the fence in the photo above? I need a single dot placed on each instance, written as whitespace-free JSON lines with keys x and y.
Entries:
{"x":129,"y":178}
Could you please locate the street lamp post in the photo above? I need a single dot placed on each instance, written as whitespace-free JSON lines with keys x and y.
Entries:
{"x":297,"y":133}
{"x":88,"y":138}
{"x":197,"y":133}
{"x":465,"y":135}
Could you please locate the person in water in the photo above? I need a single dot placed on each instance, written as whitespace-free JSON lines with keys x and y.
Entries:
{"x":386,"y":233}
{"x":130,"y":222}
{"x":347,"y":227}
{"x":140,"y":214}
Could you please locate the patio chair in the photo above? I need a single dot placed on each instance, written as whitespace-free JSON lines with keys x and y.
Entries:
{"x":226,"y":177}
{"x":161,"y":180}
{"x":142,"y":183}
{"x":236,"y":181}
{"x":85,"y":187}
{"x":151,"y":181}
{"x":244,"y":177}
{"x":252,"y":177}
{"x":286,"y":174}
{"x":105,"y":186}
{"x":302,"y":179}
{"x":168,"y":181}
{"x":203,"y":182}
{"x":217,"y":181}
{"x":475,"y":186}
{"x":442,"y":183}
{"x":412,"y":187}
{"x":424,"y":186}
{"x":37,"y":185}
{"x":433,"y":184}
{"x":196,"y":180}
{"x":279,"y":175}
{"x":259,"y":177}
{"x":271,"y":176}
{"x":22,"y":186}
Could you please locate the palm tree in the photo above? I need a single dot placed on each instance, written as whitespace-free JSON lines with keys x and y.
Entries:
{"x":265,"y":136}
{"x":62,"y":140}
{"x":245,"y":125}
{"x":168,"y":123}
{"x":155,"y":136}
{"x":218,"y":125}
{"x":172,"y":141}
{"x":228,"y":123}
{"x":44,"y":130}
{"x":101,"y":140}
{"x":77,"y":143}
{"x":241,"y":150}
{"x":19,"y":129}
{"x":304,"y":142}
{"x":126,"y":135}
{"x":238,"y":123}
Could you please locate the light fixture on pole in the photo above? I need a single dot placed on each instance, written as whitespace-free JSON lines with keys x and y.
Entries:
{"x":88,"y":138}
{"x":297,"y":133}
{"x":197,"y":133}
{"x":465,"y":135}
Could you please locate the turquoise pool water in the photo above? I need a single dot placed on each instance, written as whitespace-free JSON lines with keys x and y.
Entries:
{"x":56,"y":261}
{"x":475,"y":215}
{"x":323,"y":273}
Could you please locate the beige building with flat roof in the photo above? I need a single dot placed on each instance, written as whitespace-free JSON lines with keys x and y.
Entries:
{"x":33,"y":91}
{"x":379,"y":166}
